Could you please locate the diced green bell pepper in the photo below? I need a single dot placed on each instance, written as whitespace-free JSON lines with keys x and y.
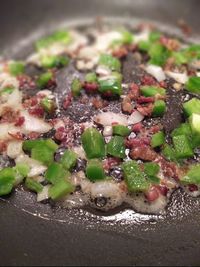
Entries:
{"x":151,"y":168}
{"x":16,"y":68}
{"x":182,"y":147}
{"x":147,"y":90}
{"x":33,"y":185}
{"x":169,"y":152}
{"x":110,"y":85}
{"x":91,"y":77}
{"x":22,"y":168}
{"x":192,"y":176}
{"x":94,"y":170}
{"x":7,"y":90}
{"x":135,"y":179}
{"x":93,"y":143}
{"x":116,"y":147}
{"x":191,"y":106}
{"x":30,"y":144}
{"x":42,"y":154}
{"x":61,"y":189}
{"x":159,"y":108}
{"x":110,"y":62}
{"x":48,"y":105}
{"x":53,"y":61}
{"x":121,"y":130}
{"x":55,"y":173}
{"x":158,"y":54}
{"x":193,"y":85}
{"x":76,"y":87}
{"x":43,"y":79}
{"x":69,"y":159}
{"x":158,"y":139}
{"x":183,"y":129}
{"x":7,"y":179}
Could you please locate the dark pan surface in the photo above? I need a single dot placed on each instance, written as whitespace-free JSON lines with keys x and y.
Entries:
{"x":36,"y":234}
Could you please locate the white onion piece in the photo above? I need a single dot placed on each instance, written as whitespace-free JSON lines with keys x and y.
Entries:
{"x":135,"y":117}
{"x":179,"y":77}
{"x":44,"y":194}
{"x":108,"y":130}
{"x":142,"y":36}
{"x":14,"y":149}
{"x":107,"y":118}
{"x":36,"y":167}
{"x":33,"y":124}
{"x":75,"y":200}
{"x":104,"y":40}
{"x":7,"y":80}
{"x":5,"y":129}
{"x":103,"y":70}
{"x":79,"y":151}
{"x":156,"y":71}
{"x":198,"y":74}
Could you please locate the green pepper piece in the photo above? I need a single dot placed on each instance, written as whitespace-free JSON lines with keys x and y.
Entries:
{"x":110,"y":62}
{"x":43,"y":154}
{"x":154,"y":36}
{"x":76,"y":87}
{"x":93,"y":143}
{"x":194,"y":121}
{"x":153,"y":179}
{"x":159,"y":108}
{"x":30,"y":144}
{"x":182,"y":146}
{"x":54,"y":61}
{"x":23,"y":169}
{"x":158,"y":139}
{"x":135,"y":179}
{"x":184,"y":128}
{"x":61,"y":189}
{"x":192,"y":176}
{"x":158,"y":54}
{"x":91,"y":77}
{"x":110,"y":85}
{"x":191,"y":106}
{"x":55,"y":173}
{"x":16,"y":68}
{"x":144,"y":45}
{"x":7,"y":179}
{"x":169,"y":152}
{"x":127,"y":37}
{"x":151,"y":168}
{"x":193,"y":85}
{"x":43,"y":79}
{"x":69,"y":159}
{"x":147,"y":90}
{"x":33,"y":185}
{"x":116,"y":147}
{"x":180,"y":57}
{"x":94,"y":170}
{"x":48,"y":105}
{"x":60,"y":36}
{"x":7,"y":90}
{"x":121,"y":130}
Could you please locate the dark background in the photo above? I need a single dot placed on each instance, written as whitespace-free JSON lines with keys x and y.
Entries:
{"x":29,"y":240}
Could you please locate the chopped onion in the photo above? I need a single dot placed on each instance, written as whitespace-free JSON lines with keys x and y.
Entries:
{"x":135,"y":117}
{"x":156,"y":71}
{"x":104,"y":40}
{"x":7,"y":80}
{"x":179,"y":77}
{"x":107,"y":131}
{"x":103,"y":71}
{"x":79,"y":150}
{"x":14,"y":149}
{"x":33,"y":124}
{"x":44,"y":194}
{"x":142,"y":36}
{"x":108,"y":118}
{"x":5,"y":129}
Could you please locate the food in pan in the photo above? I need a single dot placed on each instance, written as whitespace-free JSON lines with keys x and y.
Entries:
{"x":102,"y":116}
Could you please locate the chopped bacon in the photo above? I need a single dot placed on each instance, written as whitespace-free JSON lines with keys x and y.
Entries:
{"x":137,"y":127}
{"x":134,"y":91}
{"x":126,"y":105}
{"x":163,"y":189}
{"x":120,"y":52}
{"x":154,"y":129}
{"x":3,"y":146}
{"x":152,"y":194}
{"x":99,"y":103}
{"x":163,"y":84}
{"x":148,"y":80}
{"x":110,"y":163}
{"x":20,"y":121}
{"x":145,"y":110}
{"x":143,"y":99}
{"x":137,"y":142}
{"x":67,"y":102}
{"x":169,"y":43}
{"x":26,"y":82}
{"x":9,"y":115}
{"x":169,"y":168}
{"x":132,"y":47}
{"x":192,"y":187}
{"x":36,"y":111}
{"x":143,"y":152}
{"x":91,"y":87}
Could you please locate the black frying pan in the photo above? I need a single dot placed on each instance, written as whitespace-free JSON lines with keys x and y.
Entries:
{"x":36,"y":234}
